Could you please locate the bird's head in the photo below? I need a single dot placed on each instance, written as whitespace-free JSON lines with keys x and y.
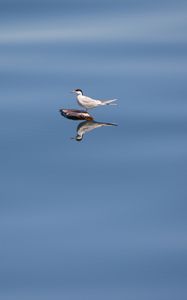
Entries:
{"x":78,"y":91}
{"x":79,"y":138}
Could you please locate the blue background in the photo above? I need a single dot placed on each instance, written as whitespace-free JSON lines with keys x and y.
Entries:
{"x":104,"y":218}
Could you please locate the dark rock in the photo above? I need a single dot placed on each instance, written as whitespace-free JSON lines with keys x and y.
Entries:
{"x":75,"y":114}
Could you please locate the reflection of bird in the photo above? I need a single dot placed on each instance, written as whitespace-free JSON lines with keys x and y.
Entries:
{"x":88,"y":102}
{"x":87,"y":126}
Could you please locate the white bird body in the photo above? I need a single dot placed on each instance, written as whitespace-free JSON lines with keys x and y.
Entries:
{"x":88,"y":102}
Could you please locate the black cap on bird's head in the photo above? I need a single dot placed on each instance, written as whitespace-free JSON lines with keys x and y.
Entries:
{"x":79,"y":138}
{"x":78,"y":91}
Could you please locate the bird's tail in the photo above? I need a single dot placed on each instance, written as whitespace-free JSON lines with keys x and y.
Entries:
{"x":109,"y":102}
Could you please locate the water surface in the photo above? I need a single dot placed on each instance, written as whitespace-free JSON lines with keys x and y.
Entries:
{"x":104,"y":218}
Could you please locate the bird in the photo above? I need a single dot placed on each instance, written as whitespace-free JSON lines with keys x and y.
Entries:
{"x":87,"y":126}
{"x":88,"y":102}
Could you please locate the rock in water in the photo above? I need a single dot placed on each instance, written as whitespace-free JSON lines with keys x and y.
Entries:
{"x":75,"y":114}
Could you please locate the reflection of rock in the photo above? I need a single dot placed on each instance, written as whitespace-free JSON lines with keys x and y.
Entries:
{"x":87,"y":126}
{"x":74,"y":114}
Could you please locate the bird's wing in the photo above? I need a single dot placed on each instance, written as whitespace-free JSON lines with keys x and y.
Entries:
{"x":89,"y":99}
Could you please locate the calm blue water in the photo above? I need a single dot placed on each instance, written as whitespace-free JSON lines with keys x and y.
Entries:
{"x":104,"y":218}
